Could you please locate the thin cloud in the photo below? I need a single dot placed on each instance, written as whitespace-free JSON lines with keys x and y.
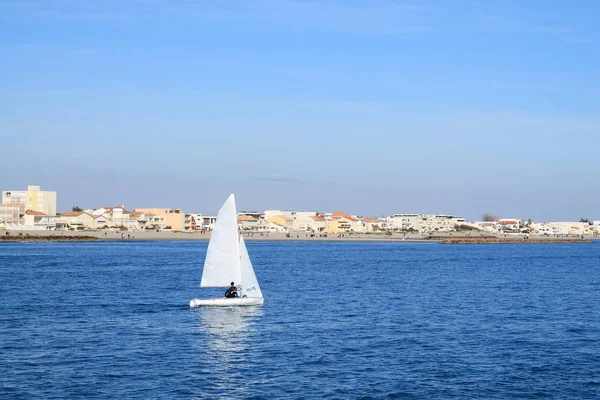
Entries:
{"x":277,"y":178}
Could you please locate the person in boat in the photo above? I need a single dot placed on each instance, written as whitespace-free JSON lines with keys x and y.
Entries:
{"x":232,"y":291}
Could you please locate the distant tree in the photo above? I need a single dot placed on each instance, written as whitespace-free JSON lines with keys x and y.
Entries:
{"x":465,"y":227}
{"x":75,"y":208}
{"x":584,"y":220}
{"x":489,"y":217}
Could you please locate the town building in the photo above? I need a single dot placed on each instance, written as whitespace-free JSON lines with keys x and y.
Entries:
{"x":509,"y":225}
{"x":37,"y":220}
{"x":425,"y":223}
{"x":370,"y":224}
{"x":282,"y":220}
{"x":164,"y":218}
{"x":272,"y":213}
{"x":15,"y":203}
{"x":75,"y":220}
{"x":247,"y":223}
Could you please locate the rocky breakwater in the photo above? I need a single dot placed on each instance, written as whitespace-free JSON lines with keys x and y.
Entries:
{"x":506,"y":240}
{"x":47,"y":238}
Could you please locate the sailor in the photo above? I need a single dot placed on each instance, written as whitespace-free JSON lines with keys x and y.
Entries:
{"x":232,"y":291}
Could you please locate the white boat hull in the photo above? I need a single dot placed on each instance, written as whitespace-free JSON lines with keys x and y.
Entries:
{"x":225,"y":302}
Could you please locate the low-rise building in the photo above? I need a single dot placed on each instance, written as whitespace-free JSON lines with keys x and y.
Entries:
{"x":37,"y":220}
{"x":247,"y":223}
{"x":488,"y":226}
{"x":272,"y":213}
{"x":75,"y":220}
{"x":164,"y":218}
{"x":426,"y":223}
{"x":370,"y":224}
{"x":309,"y":222}
{"x":254,"y":214}
{"x":439,"y":223}
{"x":208,"y":221}
{"x":570,"y":228}
{"x":509,"y":225}
{"x":561,"y":228}
{"x":260,"y":225}
{"x":282,"y":220}
{"x":342,"y":222}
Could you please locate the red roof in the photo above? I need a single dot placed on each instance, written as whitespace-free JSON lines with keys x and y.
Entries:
{"x":341,"y":214}
{"x":33,"y":212}
{"x":72,"y":214}
{"x":317,"y":218}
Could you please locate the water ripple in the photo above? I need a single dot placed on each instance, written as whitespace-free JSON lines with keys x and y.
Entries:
{"x":341,"y":320}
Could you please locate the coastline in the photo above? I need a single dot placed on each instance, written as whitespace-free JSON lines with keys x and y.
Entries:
{"x":445,"y":238}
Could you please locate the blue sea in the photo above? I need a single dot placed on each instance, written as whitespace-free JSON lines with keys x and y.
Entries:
{"x":340,"y":321}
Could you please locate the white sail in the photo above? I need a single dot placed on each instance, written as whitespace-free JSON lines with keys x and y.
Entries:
{"x":250,"y":286}
{"x":222,"y":264}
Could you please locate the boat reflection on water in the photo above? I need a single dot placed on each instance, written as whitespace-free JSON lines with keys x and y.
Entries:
{"x":228,"y":333}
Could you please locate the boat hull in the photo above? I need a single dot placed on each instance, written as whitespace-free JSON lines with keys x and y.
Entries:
{"x":227,"y":302}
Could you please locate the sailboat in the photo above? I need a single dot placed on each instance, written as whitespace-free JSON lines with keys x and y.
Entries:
{"x":227,"y":261}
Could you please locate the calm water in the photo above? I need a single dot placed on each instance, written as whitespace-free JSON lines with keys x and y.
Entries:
{"x":340,"y":320}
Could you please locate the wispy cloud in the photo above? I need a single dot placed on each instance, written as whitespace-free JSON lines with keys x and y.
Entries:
{"x":277,"y":178}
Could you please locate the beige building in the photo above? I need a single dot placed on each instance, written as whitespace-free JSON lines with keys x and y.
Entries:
{"x":370,"y":224}
{"x":37,"y":220}
{"x":165,"y":217}
{"x":247,"y":223}
{"x":12,"y":214}
{"x":75,"y":220}
{"x":100,"y":218}
{"x":313,"y":223}
{"x":281,"y":220}
{"x":342,"y":222}
{"x":272,"y":213}
{"x":258,"y":225}
{"x":16,"y":202}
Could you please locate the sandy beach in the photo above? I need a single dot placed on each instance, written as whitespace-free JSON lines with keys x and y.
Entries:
{"x":450,"y":237}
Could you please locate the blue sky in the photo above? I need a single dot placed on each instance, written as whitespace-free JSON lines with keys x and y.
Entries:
{"x":373,"y":108}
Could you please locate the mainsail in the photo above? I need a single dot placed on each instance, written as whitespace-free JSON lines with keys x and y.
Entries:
{"x":222,"y":263}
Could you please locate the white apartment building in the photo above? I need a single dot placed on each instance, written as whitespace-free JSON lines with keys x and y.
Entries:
{"x":424,"y":223}
{"x":405,"y":222}
{"x":208,"y":221}
{"x":561,"y":228}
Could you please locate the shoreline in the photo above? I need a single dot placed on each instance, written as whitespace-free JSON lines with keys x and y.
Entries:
{"x":446,"y":238}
